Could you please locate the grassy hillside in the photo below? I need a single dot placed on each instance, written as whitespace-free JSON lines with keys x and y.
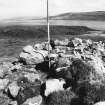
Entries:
{"x":41,"y":31}
{"x":97,"y":15}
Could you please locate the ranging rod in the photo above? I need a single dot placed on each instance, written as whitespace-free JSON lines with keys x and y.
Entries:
{"x":48,"y":32}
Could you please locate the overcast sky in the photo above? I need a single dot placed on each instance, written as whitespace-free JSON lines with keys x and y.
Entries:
{"x":18,"y":8}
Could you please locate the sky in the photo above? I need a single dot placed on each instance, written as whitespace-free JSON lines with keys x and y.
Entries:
{"x":37,"y":8}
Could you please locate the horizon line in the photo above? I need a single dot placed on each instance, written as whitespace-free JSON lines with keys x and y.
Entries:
{"x":44,"y":17}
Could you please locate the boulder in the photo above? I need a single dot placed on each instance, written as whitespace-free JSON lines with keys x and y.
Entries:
{"x":13,"y":103}
{"x":14,"y":89}
{"x":44,"y":53}
{"x":63,"y":62}
{"x":29,"y":69}
{"x":4,"y":99}
{"x":16,"y":67}
{"x":34,"y":57}
{"x":5,"y":68}
{"x":32,"y":76}
{"x":33,"y":101}
{"x":53,"y":85}
{"x":62,"y":49}
{"x":65,"y":42}
{"x":77,"y":41}
{"x":3,"y":71}
{"x":98,"y":66}
{"x":61,"y":43}
{"x":28,"y":49}
{"x":88,"y":42}
{"x":39,"y":46}
{"x":28,"y":90}
{"x":100,"y":103}
{"x":53,"y":56}
{"x":57,"y":42}
{"x":3,"y":83}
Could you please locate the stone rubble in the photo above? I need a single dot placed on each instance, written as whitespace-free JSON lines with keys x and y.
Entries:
{"x":20,"y":80}
{"x":33,"y":101}
{"x":14,"y":89}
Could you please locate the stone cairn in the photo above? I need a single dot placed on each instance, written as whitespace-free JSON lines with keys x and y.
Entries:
{"x":21,"y":78}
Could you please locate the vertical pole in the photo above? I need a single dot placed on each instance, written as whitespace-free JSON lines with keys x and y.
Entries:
{"x":48,"y":30}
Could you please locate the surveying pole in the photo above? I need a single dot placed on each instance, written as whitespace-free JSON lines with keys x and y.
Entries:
{"x":48,"y":32}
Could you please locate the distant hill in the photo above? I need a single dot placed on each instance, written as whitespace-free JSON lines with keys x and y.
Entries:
{"x":96,"y":15}
{"x":21,"y":19}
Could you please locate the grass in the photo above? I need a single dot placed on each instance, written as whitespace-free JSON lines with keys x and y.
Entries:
{"x":41,"y":31}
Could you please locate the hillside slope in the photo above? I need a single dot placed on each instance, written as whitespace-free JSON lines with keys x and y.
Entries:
{"x":97,"y":15}
{"x":41,"y":31}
